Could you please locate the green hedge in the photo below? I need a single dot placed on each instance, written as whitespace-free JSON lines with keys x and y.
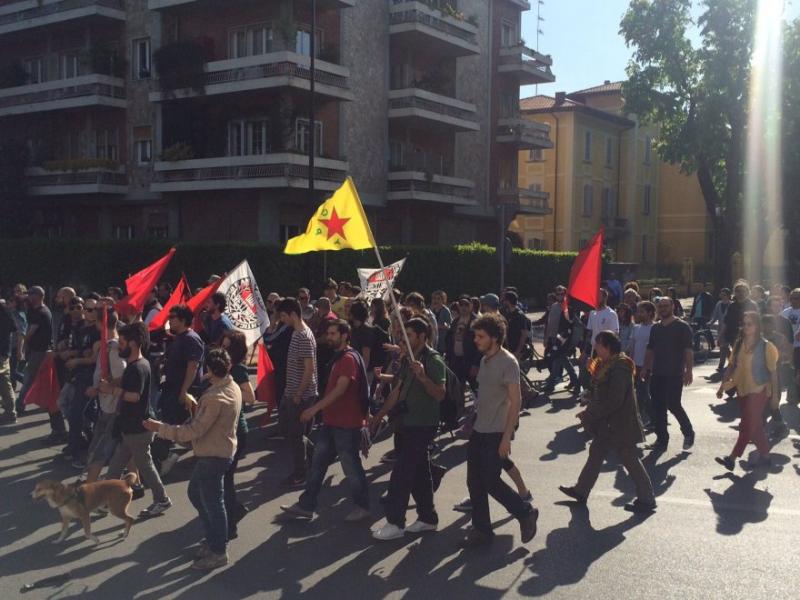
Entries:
{"x":96,"y":264}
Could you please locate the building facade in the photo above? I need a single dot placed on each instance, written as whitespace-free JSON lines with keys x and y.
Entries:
{"x":192,"y":119}
{"x":603,"y":170}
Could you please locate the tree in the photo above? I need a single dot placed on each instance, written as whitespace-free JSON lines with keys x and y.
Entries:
{"x":698,"y":96}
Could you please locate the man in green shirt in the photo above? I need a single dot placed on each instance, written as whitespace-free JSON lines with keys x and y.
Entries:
{"x":419,"y":390}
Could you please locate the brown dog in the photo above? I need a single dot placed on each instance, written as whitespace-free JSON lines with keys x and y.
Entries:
{"x":77,"y":501}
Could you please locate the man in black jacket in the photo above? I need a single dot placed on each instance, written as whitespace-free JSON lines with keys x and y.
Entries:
{"x":462,"y":354}
{"x":740,"y":305}
{"x":703,"y":305}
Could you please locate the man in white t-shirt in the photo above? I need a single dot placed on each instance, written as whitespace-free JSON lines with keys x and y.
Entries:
{"x":637,"y":350}
{"x":602,"y":319}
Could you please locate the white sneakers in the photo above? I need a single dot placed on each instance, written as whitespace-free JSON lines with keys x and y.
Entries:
{"x":392,"y":532}
{"x":168,"y":463}
{"x":421,"y":527}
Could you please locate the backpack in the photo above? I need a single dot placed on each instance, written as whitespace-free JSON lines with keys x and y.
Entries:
{"x":363,"y":386}
{"x":452,"y":406}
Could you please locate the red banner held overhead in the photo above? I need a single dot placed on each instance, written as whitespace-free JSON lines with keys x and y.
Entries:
{"x":139,"y":285}
{"x":584,"y":277}
{"x":180,"y":295}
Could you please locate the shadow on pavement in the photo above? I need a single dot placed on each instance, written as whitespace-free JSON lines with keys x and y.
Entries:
{"x":569,"y":440}
{"x":740,"y":503}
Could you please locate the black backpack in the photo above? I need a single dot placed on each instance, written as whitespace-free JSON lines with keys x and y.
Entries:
{"x":452,"y":406}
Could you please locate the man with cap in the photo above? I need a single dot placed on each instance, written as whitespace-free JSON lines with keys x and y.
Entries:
{"x":490,"y":303}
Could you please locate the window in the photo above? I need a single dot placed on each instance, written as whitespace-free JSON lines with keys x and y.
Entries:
{"x":69,"y":65}
{"x":605,"y":203}
{"x":141,"y":59}
{"x":248,"y":137}
{"x":648,"y":144}
{"x":303,"y":42}
{"x":537,"y":244}
{"x":34,"y":67}
{"x":646,"y":200}
{"x":250,"y":41}
{"x":289,"y":231}
{"x":644,"y":248}
{"x":144,"y":151}
{"x":587,"y":146}
{"x":587,"y":200}
{"x":536,"y":155}
{"x":122,"y":232}
{"x":507,"y":34}
{"x":395,"y":154}
{"x":302,"y":139}
{"x":107,"y":144}
{"x":609,"y":152}
{"x":535,"y":187}
{"x":157,"y":233}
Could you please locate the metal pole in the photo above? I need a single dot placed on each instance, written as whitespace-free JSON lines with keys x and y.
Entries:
{"x":312,"y":122}
{"x":501,"y":247}
{"x":395,"y":305}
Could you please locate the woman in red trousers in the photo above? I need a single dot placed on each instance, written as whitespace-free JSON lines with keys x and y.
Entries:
{"x":753,"y":374}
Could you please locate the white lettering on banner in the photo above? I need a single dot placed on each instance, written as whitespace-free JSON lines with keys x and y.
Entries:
{"x":245,"y":307}
{"x":375,"y":282}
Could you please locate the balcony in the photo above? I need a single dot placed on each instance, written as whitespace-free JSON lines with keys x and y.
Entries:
{"x":525,"y":201}
{"x":265,"y":71}
{"x":100,"y":179}
{"x":167,"y":4}
{"x":27,"y":14}
{"x":522,"y":4}
{"x":529,"y":66}
{"x":430,"y":110}
{"x":424,"y":27}
{"x":278,"y":170}
{"x":86,"y":90}
{"x":424,"y":186}
{"x":523,"y":133}
{"x":616,"y":226}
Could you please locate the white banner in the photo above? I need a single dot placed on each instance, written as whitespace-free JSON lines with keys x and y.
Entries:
{"x":375,"y":282}
{"x":245,"y":308}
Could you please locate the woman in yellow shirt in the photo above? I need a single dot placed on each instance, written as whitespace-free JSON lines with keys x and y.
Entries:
{"x":753,"y":374}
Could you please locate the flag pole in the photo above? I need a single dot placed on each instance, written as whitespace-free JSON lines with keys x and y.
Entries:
{"x":395,"y":305}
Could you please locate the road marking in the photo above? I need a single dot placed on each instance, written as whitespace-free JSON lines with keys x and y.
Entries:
{"x":720,"y":507}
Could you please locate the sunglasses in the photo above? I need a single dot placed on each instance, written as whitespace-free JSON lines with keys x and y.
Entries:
{"x":76,"y":307}
{"x":89,"y":309}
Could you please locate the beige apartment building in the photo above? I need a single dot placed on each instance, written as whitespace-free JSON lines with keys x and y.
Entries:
{"x":603,"y":170}
{"x":191,"y":119}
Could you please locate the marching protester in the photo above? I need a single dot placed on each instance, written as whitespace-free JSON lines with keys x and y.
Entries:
{"x":718,"y":318}
{"x":669,"y":362}
{"x":637,"y":351}
{"x":344,"y":409}
{"x":419,"y":388}
{"x":612,"y":419}
{"x":603,"y":318}
{"x":444,"y":318}
{"x":462,"y":354}
{"x":212,"y":433}
{"x":215,"y":321}
{"x":753,"y":374}
{"x":7,"y":330}
{"x":301,"y":387}
{"x":489,"y":444}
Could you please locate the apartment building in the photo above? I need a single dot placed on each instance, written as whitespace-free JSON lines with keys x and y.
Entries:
{"x":192,"y":119}
{"x":603,"y":170}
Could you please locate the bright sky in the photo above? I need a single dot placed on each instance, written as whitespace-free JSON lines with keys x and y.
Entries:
{"x":583,"y":38}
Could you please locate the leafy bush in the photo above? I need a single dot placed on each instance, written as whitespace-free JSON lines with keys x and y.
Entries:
{"x":182,"y":65}
{"x":470,"y":269}
{"x":178,"y":151}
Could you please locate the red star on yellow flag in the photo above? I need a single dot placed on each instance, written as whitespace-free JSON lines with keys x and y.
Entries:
{"x":335,"y":225}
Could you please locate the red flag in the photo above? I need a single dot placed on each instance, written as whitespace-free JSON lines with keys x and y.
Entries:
{"x":584,"y":277}
{"x":196,"y":302}
{"x":180,"y":295}
{"x":265,"y":382}
{"x":104,"y":368}
{"x":45,"y":388}
{"x":139,"y":285}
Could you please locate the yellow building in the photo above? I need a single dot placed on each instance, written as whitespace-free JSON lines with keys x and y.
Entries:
{"x":603,"y":169}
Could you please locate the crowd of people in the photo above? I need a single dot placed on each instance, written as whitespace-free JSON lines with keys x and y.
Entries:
{"x":347,"y":369}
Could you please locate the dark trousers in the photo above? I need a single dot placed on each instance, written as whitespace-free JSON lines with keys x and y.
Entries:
{"x":411,"y":476}
{"x":484,"y":465}
{"x":330,"y":442}
{"x":642,"y":387}
{"x":231,"y":503}
{"x":76,"y":416}
{"x":665,"y":394}
{"x":561,"y":363}
{"x":295,"y":432}
{"x":628,"y":456}
{"x":174,"y":413}
{"x":206,"y":493}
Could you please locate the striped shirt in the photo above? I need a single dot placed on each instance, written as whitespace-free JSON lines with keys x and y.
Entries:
{"x":302,"y":346}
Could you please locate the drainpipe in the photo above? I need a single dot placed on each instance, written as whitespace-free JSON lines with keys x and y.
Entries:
{"x":555,"y":186}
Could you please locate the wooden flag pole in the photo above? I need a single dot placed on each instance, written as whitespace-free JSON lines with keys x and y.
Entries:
{"x":395,"y":305}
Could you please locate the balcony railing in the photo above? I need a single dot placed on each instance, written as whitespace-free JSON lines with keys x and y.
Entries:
{"x":415,"y":102}
{"x":284,"y":169}
{"x":416,"y":185}
{"x":166,"y":4}
{"x":525,"y":133}
{"x":425,"y":162}
{"x":43,"y":182}
{"x":531,"y":66}
{"x":526,"y":201}
{"x":411,"y":13}
{"x":44,"y":14}
{"x":86,"y":90}
{"x":272,"y":70}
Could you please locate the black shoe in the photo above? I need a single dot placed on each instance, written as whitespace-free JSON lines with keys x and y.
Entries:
{"x":640,"y":508}
{"x":714,"y":377}
{"x":54,"y":439}
{"x":527,"y":525}
{"x":658,"y":446}
{"x":572,"y":493}
{"x":726,"y":461}
{"x":688,"y":440}
{"x":138,"y":491}
{"x":294,"y":481}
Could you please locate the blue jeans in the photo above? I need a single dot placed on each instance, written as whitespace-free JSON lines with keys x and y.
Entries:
{"x":76,"y":416}
{"x":559,"y":364}
{"x":206,"y":495}
{"x":330,"y":442}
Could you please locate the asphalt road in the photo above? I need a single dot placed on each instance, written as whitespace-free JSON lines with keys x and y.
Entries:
{"x":715,"y":535}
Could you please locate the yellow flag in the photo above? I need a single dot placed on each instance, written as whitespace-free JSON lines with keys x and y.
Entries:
{"x":339,"y":223}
